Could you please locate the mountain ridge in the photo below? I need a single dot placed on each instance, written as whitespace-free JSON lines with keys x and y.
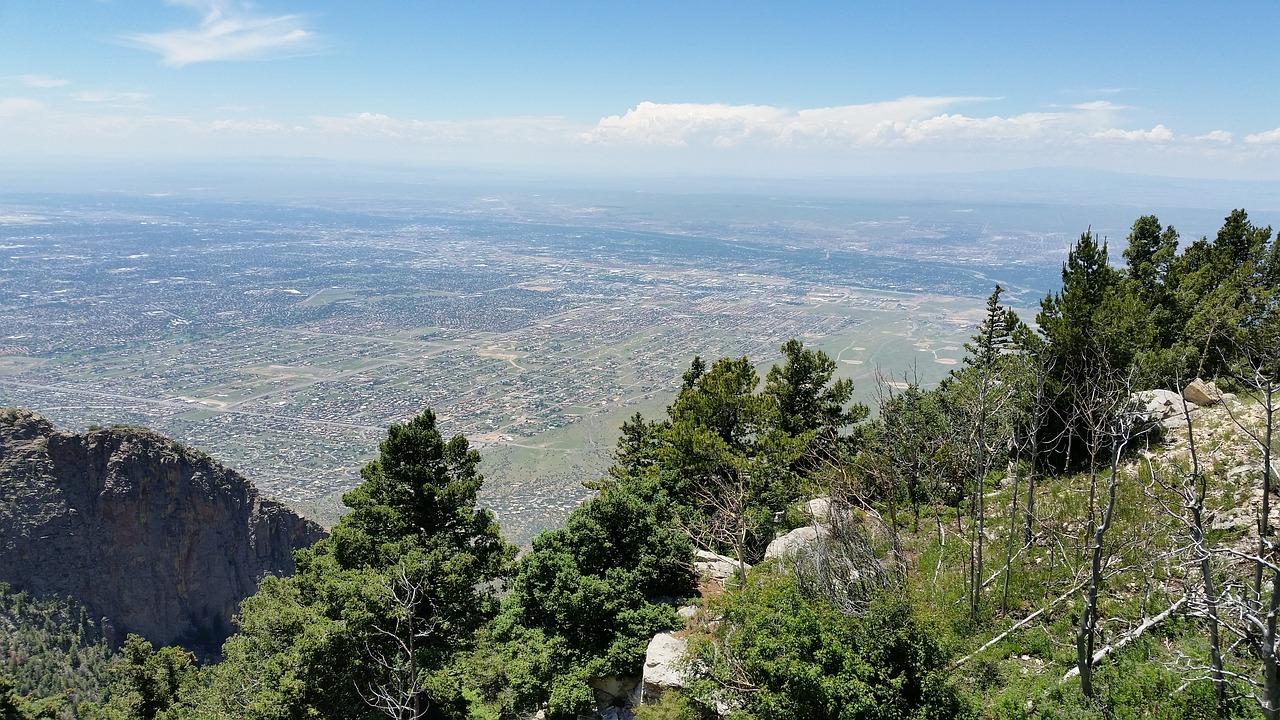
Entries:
{"x":151,"y":536}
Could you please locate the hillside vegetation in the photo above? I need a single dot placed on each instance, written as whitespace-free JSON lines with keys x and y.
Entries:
{"x":1052,"y":532}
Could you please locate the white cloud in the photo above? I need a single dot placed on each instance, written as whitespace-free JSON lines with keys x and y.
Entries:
{"x":228,"y":31}
{"x":675,"y":124}
{"x":1267,"y":137}
{"x":1158,"y":134}
{"x":11,"y":107}
{"x":1215,"y":136}
{"x":1099,"y":106}
{"x":42,"y":81}
{"x":720,"y":125}
{"x":893,"y":123}
{"x":110,"y":96}
{"x":253,"y":127}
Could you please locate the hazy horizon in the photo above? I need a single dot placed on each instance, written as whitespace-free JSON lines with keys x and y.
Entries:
{"x":816,"y":90}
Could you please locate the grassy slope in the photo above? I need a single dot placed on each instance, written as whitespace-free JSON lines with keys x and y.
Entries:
{"x":1147,"y":566}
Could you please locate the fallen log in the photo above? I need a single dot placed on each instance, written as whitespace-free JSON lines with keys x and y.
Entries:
{"x":1021,"y":623}
{"x":1127,"y":638}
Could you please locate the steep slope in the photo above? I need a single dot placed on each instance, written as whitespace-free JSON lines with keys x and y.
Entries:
{"x":149,"y":535}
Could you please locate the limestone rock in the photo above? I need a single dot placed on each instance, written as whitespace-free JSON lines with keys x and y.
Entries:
{"x":1161,"y":404}
{"x":662,"y":666}
{"x":795,"y":542}
{"x":714,"y":566}
{"x":820,"y":509}
{"x":154,"y":537}
{"x":1202,"y":393}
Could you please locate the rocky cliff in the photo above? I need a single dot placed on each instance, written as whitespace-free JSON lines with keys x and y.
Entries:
{"x":153,"y":537}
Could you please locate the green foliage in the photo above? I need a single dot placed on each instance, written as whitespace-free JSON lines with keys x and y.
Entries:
{"x":784,"y":653}
{"x":16,"y":707}
{"x":51,"y":649}
{"x":805,"y":397}
{"x":673,"y":705}
{"x":589,"y":596}
{"x":149,"y":684}
{"x":730,"y":456}
{"x":378,"y":611}
{"x":727,"y":457}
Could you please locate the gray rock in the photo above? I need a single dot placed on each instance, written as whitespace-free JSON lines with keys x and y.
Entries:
{"x":795,"y":542}
{"x":156,"y":538}
{"x":1161,"y":404}
{"x":1233,"y":518}
{"x":714,"y":566}
{"x":614,"y":694}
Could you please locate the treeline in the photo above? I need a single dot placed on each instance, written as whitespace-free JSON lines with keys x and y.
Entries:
{"x":956,"y":511}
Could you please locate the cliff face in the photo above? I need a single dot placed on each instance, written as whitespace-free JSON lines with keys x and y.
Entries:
{"x":152,"y":536}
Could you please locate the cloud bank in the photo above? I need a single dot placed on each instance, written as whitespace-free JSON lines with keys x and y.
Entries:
{"x":904,"y":135}
{"x":908,"y":121}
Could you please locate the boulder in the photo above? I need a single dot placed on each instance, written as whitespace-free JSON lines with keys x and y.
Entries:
{"x":795,"y":542}
{"x":663,"y":667}
{"x":820,"y":509}
{"x":1161,"y":404}
{"x":1202,"y":393}
{"x":712,"y":565}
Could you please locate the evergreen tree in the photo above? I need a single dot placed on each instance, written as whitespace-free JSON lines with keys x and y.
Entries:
{"x":1092,"y":327}
{"x":377,"y":611}
{"x":806,"y":398}
{"x":588,"y":598}
{"x":149,"y":684}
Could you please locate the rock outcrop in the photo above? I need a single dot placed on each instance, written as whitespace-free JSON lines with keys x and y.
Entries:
{"x":1202,"y":393}
{"x":151,"y":536}
{"x":796,"y":542}
{"x":712,"y":566}
{"x":663,"y":667}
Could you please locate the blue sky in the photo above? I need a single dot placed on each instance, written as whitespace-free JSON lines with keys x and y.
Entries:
{"x":743,"y":88}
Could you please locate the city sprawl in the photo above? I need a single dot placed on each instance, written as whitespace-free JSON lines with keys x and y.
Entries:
{"x":283,"y":340}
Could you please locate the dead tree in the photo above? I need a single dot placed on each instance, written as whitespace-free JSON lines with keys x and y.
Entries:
{"x":395,"y":646}
{"x":726,"y":499}
{"x":1113,"y":423}
{"x":1190,"y":490}
{"x":1258,"y":368}
{"x":1252,"y":613}
{"x":992,"y":395}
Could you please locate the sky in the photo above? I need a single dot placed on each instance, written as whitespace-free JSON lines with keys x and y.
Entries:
{"x":739,"y":88}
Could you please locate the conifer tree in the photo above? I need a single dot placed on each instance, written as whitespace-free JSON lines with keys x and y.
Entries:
{"x":377,"y":611}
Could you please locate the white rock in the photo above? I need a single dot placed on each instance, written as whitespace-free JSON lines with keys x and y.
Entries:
{"x":1160,"y":404}
{"x":820,"y":509}
{"x":715,"y":566}
{"x":662,"y":666}
{"x":795,"y":542}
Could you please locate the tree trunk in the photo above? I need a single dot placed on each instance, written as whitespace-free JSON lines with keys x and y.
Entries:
{"x":1200,"y":484}
{"x":1089,"y":615}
